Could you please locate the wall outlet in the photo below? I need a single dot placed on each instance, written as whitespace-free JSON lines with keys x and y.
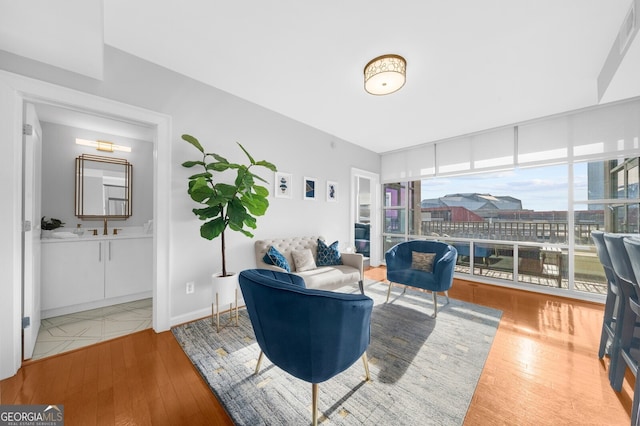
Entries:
{"x":191,"y":287}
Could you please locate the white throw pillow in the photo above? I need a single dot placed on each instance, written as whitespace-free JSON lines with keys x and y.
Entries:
{"x":303,"y":259}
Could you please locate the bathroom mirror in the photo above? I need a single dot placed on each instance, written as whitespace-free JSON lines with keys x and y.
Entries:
{"x":103,"y":187}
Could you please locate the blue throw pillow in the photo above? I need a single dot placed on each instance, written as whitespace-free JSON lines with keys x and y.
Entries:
{"x":274,"y":257}
{"x":328,"y":255}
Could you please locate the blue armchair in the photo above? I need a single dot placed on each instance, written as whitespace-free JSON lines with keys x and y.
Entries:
{"x":403,"y":267}
{"x":311,"y":334}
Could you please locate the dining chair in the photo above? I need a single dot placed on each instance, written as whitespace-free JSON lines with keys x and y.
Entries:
{"x":632,"y":246}
{"x":612,"y":303}
{"x":624,"y":334}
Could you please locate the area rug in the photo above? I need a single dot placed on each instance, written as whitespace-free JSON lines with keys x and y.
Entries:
{"x":424,"y":370}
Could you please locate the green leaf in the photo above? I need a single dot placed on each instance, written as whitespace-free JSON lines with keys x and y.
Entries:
{"x":256,"y":204}
{"x":251,"y":222}
{"x":189,"y":164}
{"x":225,"y":190}
{"x":236,"y":212}
{"x":208,"y":212}
{"x":203,"y":174}
{"x":261,"y":191}
{"x":268,"y":165}
{"x":218,"y":167}
{"x":248,"y":155}
{"x":193,"y":141}
{"x":259,"y":178}
{"x":213,"y":228}
{"x":220,"y":158}
{"x":200,"y":190}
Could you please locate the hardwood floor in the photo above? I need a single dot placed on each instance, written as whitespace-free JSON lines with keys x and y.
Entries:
{"x":542,"y":369}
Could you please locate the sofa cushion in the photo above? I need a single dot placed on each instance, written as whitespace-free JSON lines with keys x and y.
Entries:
{"x":274,"y":257}
{"x":422,"y":261}
{"x":328,"y":255}
{"x":303,"y":259}
{"x":330,"y":277}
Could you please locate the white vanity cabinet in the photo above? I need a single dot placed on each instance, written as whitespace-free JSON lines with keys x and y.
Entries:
{"x":72,"y":273}
{"x":128,"y":267}
{"x":85,"y":274}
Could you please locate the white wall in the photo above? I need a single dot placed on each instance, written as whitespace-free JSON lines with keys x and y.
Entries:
{"x":59,"y":152}
{"x":219,"y":119}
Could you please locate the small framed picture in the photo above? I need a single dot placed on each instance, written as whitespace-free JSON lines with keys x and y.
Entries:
{"x":332,"y":191}
{"x":282,"y":185}
{"x":310,"y":188}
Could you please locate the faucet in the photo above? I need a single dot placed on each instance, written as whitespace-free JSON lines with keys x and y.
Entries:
{"x":105,"y":230}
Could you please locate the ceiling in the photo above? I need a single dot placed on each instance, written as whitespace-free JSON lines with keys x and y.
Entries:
{"x":471,"y":65}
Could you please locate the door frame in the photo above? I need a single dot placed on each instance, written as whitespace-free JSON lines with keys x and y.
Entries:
{"x":37,"y":91}
{"x":374,"y":232}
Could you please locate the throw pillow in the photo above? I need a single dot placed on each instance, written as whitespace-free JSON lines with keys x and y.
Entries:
{"x":422,"y":261}
{"x":303,"y":259}
{"x":328,"y":255}
{"x":274,"y":257}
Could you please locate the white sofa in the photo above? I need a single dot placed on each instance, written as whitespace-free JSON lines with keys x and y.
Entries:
{"x":322,"y":277}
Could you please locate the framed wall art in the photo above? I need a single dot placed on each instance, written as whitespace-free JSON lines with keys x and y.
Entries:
{"x":310,"y":188}
{"x":332,"y":191}
{"x":282,"y":185}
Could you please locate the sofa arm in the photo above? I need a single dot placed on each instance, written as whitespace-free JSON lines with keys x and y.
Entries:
{"x":355,"y":260}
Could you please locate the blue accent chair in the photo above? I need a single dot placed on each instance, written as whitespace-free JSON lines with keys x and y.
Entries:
{"x":311,"y":334}
{"x":399,"y":271}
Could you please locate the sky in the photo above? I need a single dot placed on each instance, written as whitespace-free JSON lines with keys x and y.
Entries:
{"x":539,"y":189}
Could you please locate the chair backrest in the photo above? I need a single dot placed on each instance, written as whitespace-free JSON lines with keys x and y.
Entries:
{"x":603,"y":256}
{"x":311,"y":334}
{"x":632,"y":245}
{"x":402,"y":251}
{"x":619,"y":257}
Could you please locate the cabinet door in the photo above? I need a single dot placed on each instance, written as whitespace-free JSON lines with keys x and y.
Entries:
{"x":129,"y":266}
{"x":72,"y":273}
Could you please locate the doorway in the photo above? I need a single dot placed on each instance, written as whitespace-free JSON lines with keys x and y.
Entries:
{"x":16,"y":90}
{"x":70,"y":315}
{"x":365,"y":215}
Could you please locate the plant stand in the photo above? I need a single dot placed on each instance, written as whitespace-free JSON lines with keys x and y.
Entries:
{"x":226,"y":292}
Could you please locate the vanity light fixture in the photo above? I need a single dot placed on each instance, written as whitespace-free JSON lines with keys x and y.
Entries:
{"x":103,"y":145}
{"x":385,"y":74}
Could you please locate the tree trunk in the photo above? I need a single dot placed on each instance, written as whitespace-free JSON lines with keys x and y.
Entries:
{"x":224,"y":258}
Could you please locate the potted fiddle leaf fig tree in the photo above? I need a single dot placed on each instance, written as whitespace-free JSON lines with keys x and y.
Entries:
{"x":226,"y":205}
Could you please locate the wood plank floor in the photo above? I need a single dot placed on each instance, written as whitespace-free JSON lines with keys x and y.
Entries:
{"x":542,"y":369}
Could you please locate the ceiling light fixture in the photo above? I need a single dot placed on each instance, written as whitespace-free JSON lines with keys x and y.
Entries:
{"x":385,"y":74}
{"x":103,"y":145}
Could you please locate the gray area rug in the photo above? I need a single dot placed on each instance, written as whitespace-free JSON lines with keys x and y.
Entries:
{"x":423,"y":370}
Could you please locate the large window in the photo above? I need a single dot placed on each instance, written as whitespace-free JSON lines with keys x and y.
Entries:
{"x":528,"y":226}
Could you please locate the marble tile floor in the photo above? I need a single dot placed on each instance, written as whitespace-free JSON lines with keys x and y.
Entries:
{"x":72,"y":331}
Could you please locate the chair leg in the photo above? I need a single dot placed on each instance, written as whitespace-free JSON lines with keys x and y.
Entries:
{"x":361,"y":285}
{"x":446,"y":294}
{"x":314,"y":403}
{"x":435,"y":303}
{"x":389,"y":291}
{"x":259,"y":362}
{"x":366,"y":366}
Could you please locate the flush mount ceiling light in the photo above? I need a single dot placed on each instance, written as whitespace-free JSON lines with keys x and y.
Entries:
{"x":103,"y":145}
{"x":385,"y":74}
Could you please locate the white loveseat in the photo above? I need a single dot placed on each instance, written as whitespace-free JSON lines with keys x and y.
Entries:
{"x":322,"y":277}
